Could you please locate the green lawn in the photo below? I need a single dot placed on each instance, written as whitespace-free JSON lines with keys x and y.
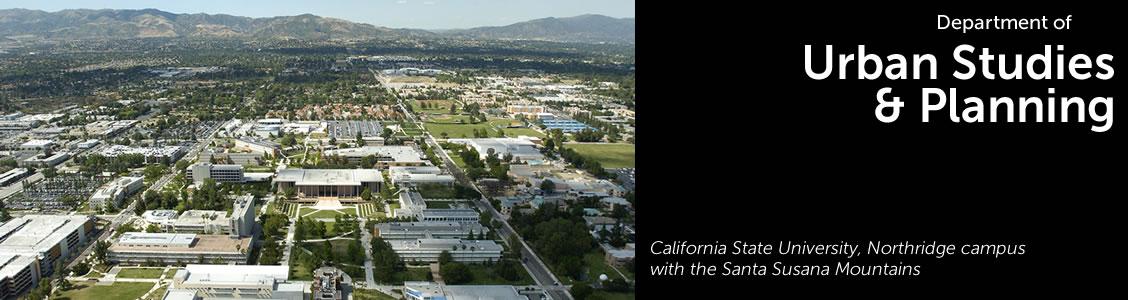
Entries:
{"x":327,"y":214}
{"x":609,"y":155}
{"x":612,"y":296}
{"x":412,"y":274}
{"x":439,"y":204}
{"x":485,"y":276}
{"x":119,"y":290}
{"x":147,"y":273}
{"x":467,"y":130}
{"x":362,"y":294}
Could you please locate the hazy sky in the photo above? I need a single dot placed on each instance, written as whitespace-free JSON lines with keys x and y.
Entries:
{"x":424,"y":14}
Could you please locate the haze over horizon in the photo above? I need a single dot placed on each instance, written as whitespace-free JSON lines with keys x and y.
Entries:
{"x":418,"y":14}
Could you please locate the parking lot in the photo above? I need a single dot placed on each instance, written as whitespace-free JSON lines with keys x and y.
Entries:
{"x":349,"y":129}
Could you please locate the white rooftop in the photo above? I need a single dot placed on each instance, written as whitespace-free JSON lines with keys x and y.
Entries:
{"x":396,"y":153}
{"x":311,"y":177}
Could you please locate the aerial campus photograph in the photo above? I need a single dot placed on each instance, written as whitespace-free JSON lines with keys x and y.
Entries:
{"x":398,"y":149}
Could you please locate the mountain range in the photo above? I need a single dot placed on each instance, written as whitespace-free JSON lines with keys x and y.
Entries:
{"x":150,"y":23}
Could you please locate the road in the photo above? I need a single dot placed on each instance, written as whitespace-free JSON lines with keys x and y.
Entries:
{"x":536,"y":267}
{"x":366,"y":242}
{"x":127,"y":212}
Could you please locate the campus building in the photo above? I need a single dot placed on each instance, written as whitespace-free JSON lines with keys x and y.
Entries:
{"x":523,"y":149}
{"x":423,"y":290}
{"x":419,"y":175}
{"x":386,"y":156}
{"x":341,"y":183}
{"x":170,"y":248}
{"x":152,"y":154}
{"x":30,"y":246}
{"x":255,"y":145}
{"x":198,"y":172}
{"x":426,"y":230}
{"x":459,"y":215}
{"x":240,"y":223}
{"x":197,"y":282}
{"x":428,"y":250}
{"x":113,"y":192}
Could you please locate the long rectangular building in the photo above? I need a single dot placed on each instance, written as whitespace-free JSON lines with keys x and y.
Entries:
{"x":170,"y":248}
{"x":30,"y":246}
{"x":428,"y":250}
{"x":341,"y":183}
{"x":234,"y":282}
{"x":426,"y":230}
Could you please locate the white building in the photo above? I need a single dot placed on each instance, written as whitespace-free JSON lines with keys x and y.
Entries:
{"x":386,"y":156}
{"x":419,"y":175}
{"x":343,"y":183}
{"x":114,"y":191}
{"x":173,"y":248}
{"x":151,"y":154}
{"x":422,"y":290}
{"x":521,"y":148}
{"x":36,"y":145}
{"x":30,"y":245}
{"x":45,"y":161}
{"x":426,"y":230}
{"x":197,"y":172}
{"x":196,"y":282}
{"x":428,"y":250}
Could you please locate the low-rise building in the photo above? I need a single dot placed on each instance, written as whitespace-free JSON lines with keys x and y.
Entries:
{"x":13,"y":175}
{"x":152,"y":155}
{"x":422,"y":290}
{"x":114,"y":191}
{"x":419,"y":175}
{"x":428,"y":250}
{"x":346,"y":184}
{"x":258,"y":145}
{"x":460,"y":215}
{"x":172,"y":248}
{"x":386,"y":156}
{"x":426,"y":230}
{"x":522,"y":149}
{"x":45,"y":161}
{"x":199,"y":282}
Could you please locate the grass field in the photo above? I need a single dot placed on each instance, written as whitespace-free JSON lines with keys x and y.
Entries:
{"x":362,"y":294}
{"x":609,"y":155}
{"x":147,"y":273}
{"x":612,"y":296}
{"x":467,"y":130}
{"x":326,"y":214}
{"x":119,"y":290}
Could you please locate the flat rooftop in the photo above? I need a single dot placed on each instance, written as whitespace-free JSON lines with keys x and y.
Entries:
{"x":33,"y":234}
{"x":203,"y":243}
{"x":310,"y":177}
{"x":396,"y":153}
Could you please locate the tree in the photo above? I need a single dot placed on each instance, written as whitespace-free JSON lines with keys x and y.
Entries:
{"x":356,"y":251}
{"x":456,"y":273}
{"x":507,"y":269}
{"x":49,"y":172}
{"x":101,"y":248}
{"x":153,"y":228}
{"x":81,"y":268}
{"x":581,"y":291}
{"x":445,"y":257}
{"x":547,"y":186}
{"x":515,"y":246}
{"x":366,"y":194}
{"x":139,"y":205}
